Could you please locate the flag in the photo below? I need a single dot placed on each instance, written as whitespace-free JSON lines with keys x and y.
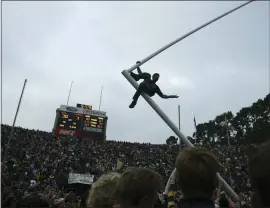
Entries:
{"x":195,"y":125}
{"x":195,"y":122}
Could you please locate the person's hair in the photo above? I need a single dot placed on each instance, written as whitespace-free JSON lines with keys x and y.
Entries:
{"x":259,"y":173}
{"x":196,"y":172}
{"x":137,"y":183}
{"x":156,"y":74}
{"x":103,"y":190}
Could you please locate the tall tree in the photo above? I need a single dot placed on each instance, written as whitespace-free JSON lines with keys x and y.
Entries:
{"x":251,"y":124}
{"x":171,"y":140}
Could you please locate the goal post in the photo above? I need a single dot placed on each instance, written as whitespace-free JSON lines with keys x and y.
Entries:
{"x":156,"y":108}
{"x":174,"y":128}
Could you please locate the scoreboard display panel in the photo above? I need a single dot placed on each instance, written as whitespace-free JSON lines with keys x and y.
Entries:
{"x":80,"y":122}
{"x":93,"y":123}
{"x":69,"y":120}
{"x":88,"y":107}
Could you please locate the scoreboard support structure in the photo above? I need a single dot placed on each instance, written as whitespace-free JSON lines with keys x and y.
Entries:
{"x":156,"y":107}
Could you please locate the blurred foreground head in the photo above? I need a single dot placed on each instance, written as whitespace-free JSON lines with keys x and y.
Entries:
{"x":103,"y":190}
{"x":259,"y":172}
{"x":196,"y":172}
{"x":138,"y":187}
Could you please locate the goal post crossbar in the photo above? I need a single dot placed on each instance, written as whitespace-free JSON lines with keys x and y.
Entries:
{"x":186,"y":35}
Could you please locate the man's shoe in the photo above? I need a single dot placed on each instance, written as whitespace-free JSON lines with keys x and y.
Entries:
{"x":132,"y":105}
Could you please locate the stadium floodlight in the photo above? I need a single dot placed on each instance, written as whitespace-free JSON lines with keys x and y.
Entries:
{"x":167,"y":120}
{"x":14,"y":121}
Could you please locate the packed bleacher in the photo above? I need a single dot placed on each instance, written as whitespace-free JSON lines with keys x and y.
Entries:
{"x":37,"y":164}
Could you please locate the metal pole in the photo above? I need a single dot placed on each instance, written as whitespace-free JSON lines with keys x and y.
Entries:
{"x":179,"y":119}
{"x":170,"y":181}
{"x":186,"y":35}
{"x":179,"y":122}
{"x":83,"y":119}
{"x":100,"y":98}
{"x":69,"y":92}
{"x":174,"y":128}
{"x":195,"y":127}
{"x":15,"y":118}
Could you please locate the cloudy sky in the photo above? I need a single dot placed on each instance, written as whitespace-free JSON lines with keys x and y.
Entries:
{"x":220,"y":68}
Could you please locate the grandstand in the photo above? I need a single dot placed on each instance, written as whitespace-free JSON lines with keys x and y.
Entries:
{"x":30,"y":147}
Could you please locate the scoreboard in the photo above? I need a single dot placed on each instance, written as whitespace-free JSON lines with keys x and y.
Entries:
{"x":70,"y":121}
{"x":80,"y":121}
{"x":93,"y":123}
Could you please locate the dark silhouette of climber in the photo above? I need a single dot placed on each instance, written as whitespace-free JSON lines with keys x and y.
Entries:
{"x":148,"y":86}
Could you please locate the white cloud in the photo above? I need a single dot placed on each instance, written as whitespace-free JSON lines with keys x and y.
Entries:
{"x":182,"y":82}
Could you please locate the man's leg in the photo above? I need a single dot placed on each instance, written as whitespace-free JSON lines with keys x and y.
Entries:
{"x":137,"y":77}
{"x":143,"y":75}
{"x":142,"y":88}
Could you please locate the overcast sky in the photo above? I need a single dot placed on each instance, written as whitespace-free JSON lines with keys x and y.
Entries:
{"x":220,"y":68}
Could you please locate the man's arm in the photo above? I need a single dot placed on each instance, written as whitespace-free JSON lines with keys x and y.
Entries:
{"x":138,"y":68}
{"x":142,"y":75}
{"x":169,"y":96}
{"x":158,"y":91}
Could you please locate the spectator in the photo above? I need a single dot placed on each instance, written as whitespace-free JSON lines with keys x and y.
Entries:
{"x":138,"y":187}
{"x":103,"y":190}
{"x":259,"y":173}
{"x":223,"y":201}
{"x":196,"y":176}
{"x":47,"y":159}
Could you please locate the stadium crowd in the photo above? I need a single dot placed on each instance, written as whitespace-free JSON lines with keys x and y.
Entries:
{"x":35,"y":170}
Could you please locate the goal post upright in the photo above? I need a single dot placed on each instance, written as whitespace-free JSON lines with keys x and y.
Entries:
{"x":174,"y":128}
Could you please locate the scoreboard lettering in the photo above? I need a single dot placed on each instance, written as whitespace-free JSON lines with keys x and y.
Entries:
{"x":88,"y":107}
{"x":70,"y":121}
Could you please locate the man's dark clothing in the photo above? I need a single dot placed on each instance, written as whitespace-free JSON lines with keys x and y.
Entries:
{"x":196,"y":203}
{"x":148,"y":86}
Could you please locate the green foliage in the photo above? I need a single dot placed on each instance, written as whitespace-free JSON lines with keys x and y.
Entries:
{"x":171,"y":140}
{"x":249,"y":125}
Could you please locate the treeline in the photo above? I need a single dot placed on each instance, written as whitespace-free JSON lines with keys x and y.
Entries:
{"x":249,"y":125}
